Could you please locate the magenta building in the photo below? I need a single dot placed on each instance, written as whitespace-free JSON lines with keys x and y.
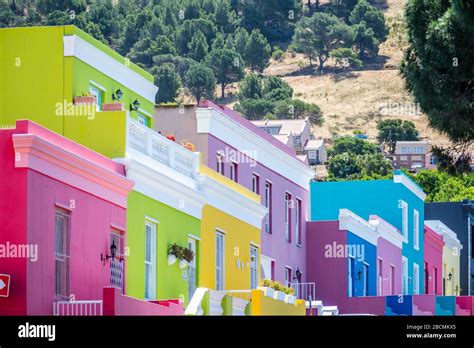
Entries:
{"x":434,"y":244}
{"x":235,"y":147}
{"x":63,"y":207}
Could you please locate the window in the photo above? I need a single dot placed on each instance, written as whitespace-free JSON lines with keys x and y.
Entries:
{"x":391,"y":280}
{"x":379,"y":277}
{"x":192,"y":274}
{"x":288,"y":204}
{"x":116,"y":264}
{"x":298,"y":140}
{"x":268,"y":204}
{"x":220,"y":261}
{"x":404,"y":207}
{"x":150,"y":261}
{"x":312,"y":154}
{"x":435,"y":279}
{"x":366,"y":279}
{"x":416,"y":279}
{"x":234,"y":171}
{"x":144,"y":120}
{"x":298,"y":222}
{"x":97,"y":93}
{"x":62,"y":252}
{"x":220,"y":164}
{"x":287,"y":276}
{"x":350,"y":276}
{"x":253,"y":267}
{"x":404,"y":275}
{"x":256,"y":184}
{"x":405,"y":149}
{"x":416,"y":229}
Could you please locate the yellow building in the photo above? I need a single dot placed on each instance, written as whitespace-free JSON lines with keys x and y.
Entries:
{"x":451,"y":257}
{"x":230,"y":234}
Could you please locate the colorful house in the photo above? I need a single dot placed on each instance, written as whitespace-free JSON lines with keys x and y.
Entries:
{"x":399,"y":201}
{"x":451,"y":258}
{"x":459,"y":217}
{"x":77,"y":87}
{"x":238,"y":149}
{"x":434,"y":246}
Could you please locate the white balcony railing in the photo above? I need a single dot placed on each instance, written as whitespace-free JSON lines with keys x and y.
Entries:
{"x":77,"y":308}
{"x":304,"y":291}
{"x":150,"y":143}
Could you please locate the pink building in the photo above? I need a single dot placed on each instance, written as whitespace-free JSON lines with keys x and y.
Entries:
{"x":433,"y":262}
{"x":62,"y":207}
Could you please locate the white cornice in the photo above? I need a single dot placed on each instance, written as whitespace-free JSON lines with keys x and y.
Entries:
{"x":387,"y":231}
{"x":449,"y":236}
{"x":216,"y":123}
{"x":161,"y":183}
{"x":348,"y":221}
{"x":74,"y":46}
{"x":231,"y":202}
{"x":409,"y":184}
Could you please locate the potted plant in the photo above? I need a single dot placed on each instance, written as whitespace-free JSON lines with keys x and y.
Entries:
{"x":266,"y":287}
{"x":187,"y":256}
{"x":188,"y":145}
{"x":174,"y":253}
{"x":171,"y":137}
{"x":85,"y":99}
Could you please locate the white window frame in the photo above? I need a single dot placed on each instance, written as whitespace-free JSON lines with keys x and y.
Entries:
{"x":404,"y":207}
{"x":95,"y":88}
{"x":379,"y":276}
{"x":391,"y":277}
{"x":404,"y":274}
{"x":288,"y":273}
{"x":150,"y":293}
{"x":234,"y":171}
{"x":220,"y":163}
{"x":288,"y":217}
{"x":416,"y":279}
{"x":298,"y":224}
{"x":268,"y":205}
{"x":192,"y":269}
{"x":416,"y":229}
{"x":255,"y":183}
{"x":220,"y":271}
{"x":64,"y":256}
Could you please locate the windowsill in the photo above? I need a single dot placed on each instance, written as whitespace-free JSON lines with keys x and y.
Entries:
{"x":417,"y":248}
{"x":299,"y":245}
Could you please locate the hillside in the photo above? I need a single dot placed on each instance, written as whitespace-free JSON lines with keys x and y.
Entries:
{"x":357,"y":99}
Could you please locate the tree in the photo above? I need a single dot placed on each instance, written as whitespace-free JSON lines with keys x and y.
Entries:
{"x":227,"y":66}
{"x":255,"y":109}
{"x":250,"y":87}
{"x":372,"y":17}
{"x":201,"y":82}
{"x":298,"y":109}
{"x":275,"y":89}
{"x":198,"y":46}
{"x":257,"y":51}
{"x":352,"y":145}
{"x":241,"y":37}
{"x":365,"y":42}
{"x":343,"y":166}
{"x":319,"y":35}
{"x":391,"y":131}
{"x":168,"y":82}
{"x":345,"y":58}
{"x":225,"y":16}
{"x":437,"y":66}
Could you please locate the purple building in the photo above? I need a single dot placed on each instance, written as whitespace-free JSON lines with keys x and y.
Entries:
{"x":233,"y":146}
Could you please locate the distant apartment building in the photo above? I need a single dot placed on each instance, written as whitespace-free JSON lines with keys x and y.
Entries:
{"x":413,"y":155}
{"x":296,"y":134}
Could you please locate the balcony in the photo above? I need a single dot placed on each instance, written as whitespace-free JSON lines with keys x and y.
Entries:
{"x":147,"y":142}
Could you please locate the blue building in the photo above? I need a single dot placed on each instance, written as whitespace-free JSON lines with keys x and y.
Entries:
{"x":399,"y":201}
{"x":459,"y":217}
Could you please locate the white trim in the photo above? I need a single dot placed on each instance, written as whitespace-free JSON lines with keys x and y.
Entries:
{"x":409,"y":184}
{"x":416,"y":229}
{"x":216,"y":123}
{"x":416,"y":280}
{"x":190,"y":235}
{"x":404,"y":259}
{"x":232,"y":202}
{"x":150,"y":219}
{"x":255,"y":244}
{"x":141,"y":111}
{"x":349,"y":221}
{"x":95,"y":84}
{"x":159,"y":182}
{"x":387,"y":231}
{"x":75,"y":46}
{"x":449,"y":236}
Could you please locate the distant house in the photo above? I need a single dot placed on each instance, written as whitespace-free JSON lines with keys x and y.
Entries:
{"x":413,"y":155}
{"x":296,"y":134}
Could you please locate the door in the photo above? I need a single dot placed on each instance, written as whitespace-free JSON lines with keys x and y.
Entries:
{"x":404,"y":275}
{"x":192,"y":269}
{"x":150,"y":261}
{"x":117,"y":263}
{"x":350,"y":276}
{"x":253,"y":267}
{"x":220,"y":242}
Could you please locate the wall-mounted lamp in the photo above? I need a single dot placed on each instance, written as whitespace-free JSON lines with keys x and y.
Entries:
{"x":135,"y":105}
{"x":113,"y":252}
{"x":117,"y":95}
{"x":450,"y":276}
{"x":298,"y":274}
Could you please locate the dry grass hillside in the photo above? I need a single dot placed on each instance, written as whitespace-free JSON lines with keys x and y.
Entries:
{"x":358,"y":99}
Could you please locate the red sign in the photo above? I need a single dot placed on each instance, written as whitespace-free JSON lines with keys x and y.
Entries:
{"x":4,"y":285}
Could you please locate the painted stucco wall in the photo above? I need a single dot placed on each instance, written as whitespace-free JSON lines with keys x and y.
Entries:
{"x":274,"y":245}
{"x":239,"y":236}
{"x":451,"y":264}
{"x":433,"y":262}
{"x":379,"y":197}
{"x":173,"y":226}
{"x":391,"y":255}
{"x":369,"y":256}
{"x":263,"y":305}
